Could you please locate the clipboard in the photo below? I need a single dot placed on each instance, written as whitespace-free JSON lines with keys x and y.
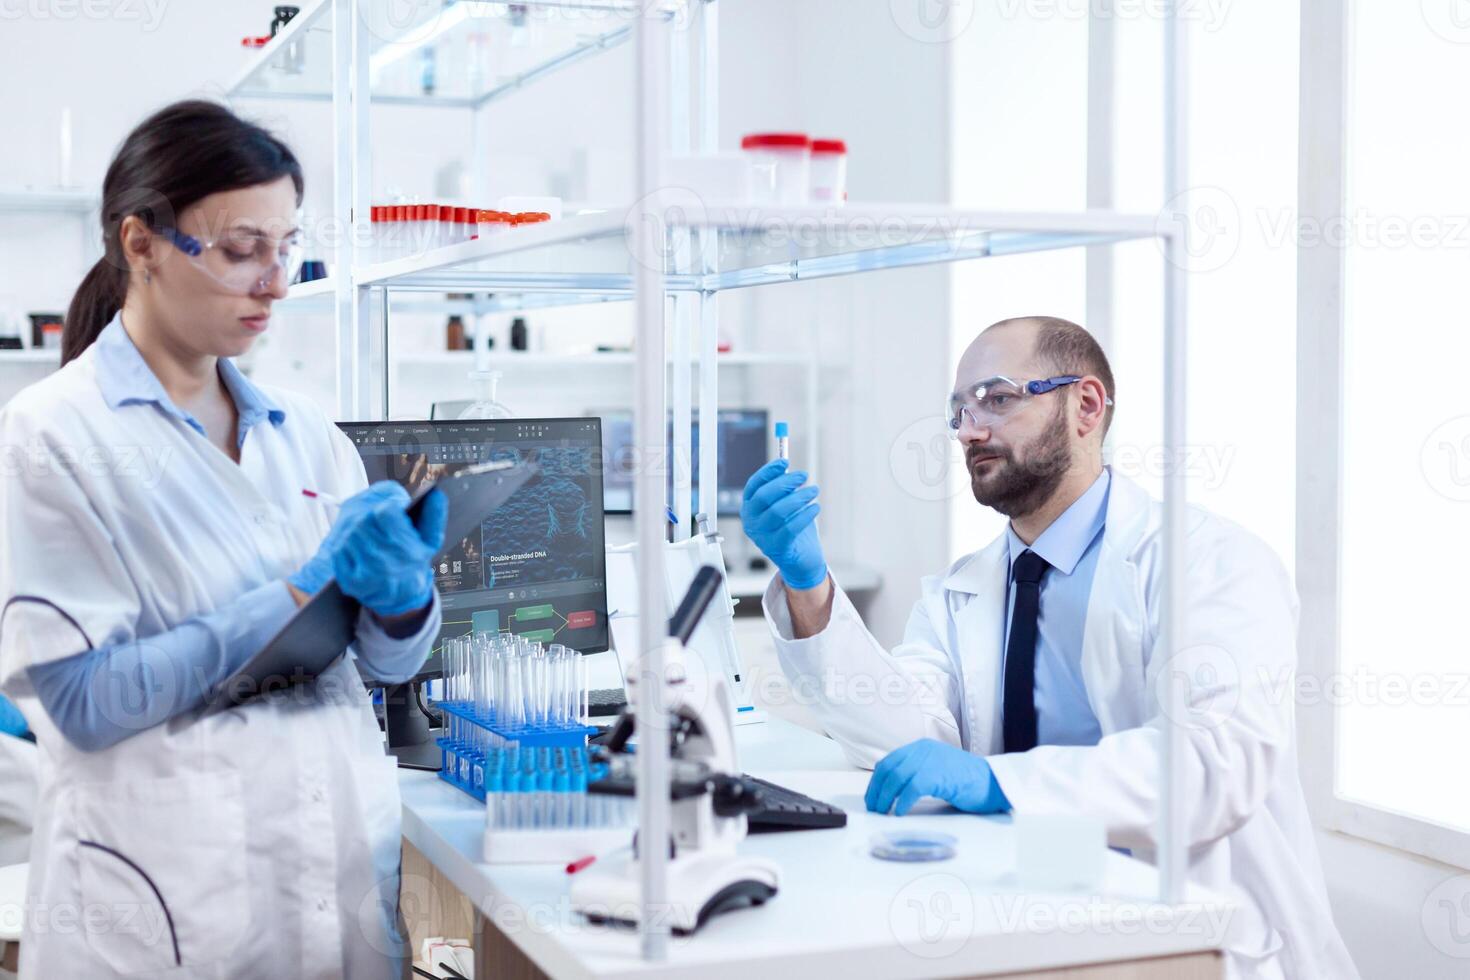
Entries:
{"x":320,"y":631}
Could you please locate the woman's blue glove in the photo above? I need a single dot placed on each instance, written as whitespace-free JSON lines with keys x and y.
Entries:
{"x":318,"y":571}
{"x":12,"y":722}
{"x":779,"y":515}
{"x":383,"y":560}
{"x":930,"y":768}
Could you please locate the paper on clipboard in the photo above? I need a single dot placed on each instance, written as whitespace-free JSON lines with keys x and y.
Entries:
{"x":321,"y":630}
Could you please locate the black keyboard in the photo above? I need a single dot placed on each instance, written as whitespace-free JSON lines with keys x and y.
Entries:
{"x":786,"y":809}
{"x":604,"y":701}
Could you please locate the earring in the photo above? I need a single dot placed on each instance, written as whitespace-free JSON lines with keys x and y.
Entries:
{"x":147,"y":276}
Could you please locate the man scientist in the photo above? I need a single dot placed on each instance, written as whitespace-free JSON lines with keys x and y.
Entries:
{"x":1027,"y":674}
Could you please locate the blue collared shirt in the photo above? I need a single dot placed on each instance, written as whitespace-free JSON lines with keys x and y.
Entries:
{"x":1070,"y":546}
{"x":126,"y":379}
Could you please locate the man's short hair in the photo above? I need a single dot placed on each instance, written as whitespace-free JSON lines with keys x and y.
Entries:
{"x":1064,"y":347}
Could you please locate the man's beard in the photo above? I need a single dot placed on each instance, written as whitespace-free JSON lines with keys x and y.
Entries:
{"x":1017,"y":489}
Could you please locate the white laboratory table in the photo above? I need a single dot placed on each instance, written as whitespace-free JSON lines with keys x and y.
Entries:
{"x":839,"y":912}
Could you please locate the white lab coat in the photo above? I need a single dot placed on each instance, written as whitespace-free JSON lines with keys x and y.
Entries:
{"x":17,"y":798}
{"x":1249,"y":831}
{"x":260,"y":842}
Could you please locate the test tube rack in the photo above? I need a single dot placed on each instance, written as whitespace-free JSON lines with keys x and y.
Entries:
{"x":464,"y":760}
{"x":536,"y":812}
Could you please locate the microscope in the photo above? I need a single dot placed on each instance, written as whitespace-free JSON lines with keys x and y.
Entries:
{"x":709,"y":798}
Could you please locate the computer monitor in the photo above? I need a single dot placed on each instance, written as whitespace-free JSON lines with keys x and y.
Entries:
{"x":537,"y":566}
{"x":742,"y":448}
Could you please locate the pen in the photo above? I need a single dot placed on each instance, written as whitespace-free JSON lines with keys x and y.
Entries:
{"x":325,"y":498}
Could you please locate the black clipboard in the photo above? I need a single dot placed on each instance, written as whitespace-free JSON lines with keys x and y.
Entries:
{"x":320,"y":631}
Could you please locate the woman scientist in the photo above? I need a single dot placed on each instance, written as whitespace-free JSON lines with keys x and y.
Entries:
{"x":153,"y":536}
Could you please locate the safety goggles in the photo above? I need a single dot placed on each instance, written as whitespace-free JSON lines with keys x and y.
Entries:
{"x":991,"y":402}
{"x":241,"y":262}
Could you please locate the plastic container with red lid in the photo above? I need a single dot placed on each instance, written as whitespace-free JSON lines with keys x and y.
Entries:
{"x":829,"y":172}
{"x":780,"y":167}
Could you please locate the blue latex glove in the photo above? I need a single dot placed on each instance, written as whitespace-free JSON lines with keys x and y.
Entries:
{"x":930,"y":768}
{"x":12,"y":722}
{"x":779,"y":515}
{"x":382,"y":560}
{"x":318,"y":571}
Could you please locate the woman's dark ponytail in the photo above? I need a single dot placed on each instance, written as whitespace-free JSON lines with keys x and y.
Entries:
{"x":176,"y":157}
{"x":95,"y":303}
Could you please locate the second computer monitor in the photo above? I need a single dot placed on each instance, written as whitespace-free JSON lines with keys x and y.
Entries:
{"x":742,"y":448}
{"x":537,"y":566}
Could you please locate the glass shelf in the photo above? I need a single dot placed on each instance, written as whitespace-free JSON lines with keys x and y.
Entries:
{"x":747,"y":246}
{"x":47,"y":199}
{"x":462,"y":54}
{"x":479,"y":305}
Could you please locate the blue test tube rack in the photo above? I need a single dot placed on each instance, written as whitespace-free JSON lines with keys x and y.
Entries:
{"x":464,"y":761}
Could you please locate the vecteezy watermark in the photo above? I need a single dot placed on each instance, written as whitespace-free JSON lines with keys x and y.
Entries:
{"x":924,"y":460}
{"x":1198,"y":688}
{"x":1445,"y":459}
{"x":933,"y":916}
{"x":1445,"y":917}
{"x":1284,"y":228}
{"x":1095,"y":915}
{"x":407,"y":901}
{"x":658,"y":228}
{"x":148,"y":13}
{"x":36,"y":460}
{"x":660,"y":231}
{"x":407,"y":28}
{"x":844,"y":688}
{"x":143,"y":684}
{"x":144,"y":924}
{"x":1210,"y":13}
{"x":1361,"y":687}
{"x":929,"y":465}
{"x":1207,"y":221}
{"x":932,"y":21}
{"x":1205,"y":464}
{"x":1449,"y":19}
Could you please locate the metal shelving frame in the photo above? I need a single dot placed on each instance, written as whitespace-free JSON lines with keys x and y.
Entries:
{"x":674,"y":281}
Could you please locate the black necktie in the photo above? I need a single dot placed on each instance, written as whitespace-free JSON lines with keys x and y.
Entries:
{"x":1019,"y":709}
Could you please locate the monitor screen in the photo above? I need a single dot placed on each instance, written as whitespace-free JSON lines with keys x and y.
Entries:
{"x":742,"y":449}
{"x":537,"y":566}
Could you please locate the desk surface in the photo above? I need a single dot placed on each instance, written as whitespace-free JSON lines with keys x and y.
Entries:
{"x":839,"y":911}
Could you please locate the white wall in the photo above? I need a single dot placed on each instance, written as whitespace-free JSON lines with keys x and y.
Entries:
{"x":882,"y":339}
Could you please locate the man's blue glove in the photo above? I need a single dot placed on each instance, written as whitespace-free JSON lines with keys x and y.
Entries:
{"x":383,"y":560}
{"x":930,"y":768}
{"x":779,"y":515}
{"x":318,"y":571}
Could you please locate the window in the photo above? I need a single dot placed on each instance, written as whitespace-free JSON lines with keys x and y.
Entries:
{"x":1403,"y":688}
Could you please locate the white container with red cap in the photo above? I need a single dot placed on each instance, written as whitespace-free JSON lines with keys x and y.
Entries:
{"x":780,"y":167}
{"x":829,"y":172}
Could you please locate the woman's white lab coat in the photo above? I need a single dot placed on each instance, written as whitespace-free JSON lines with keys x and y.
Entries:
{"x":261,"y":842}
{"x":17,"y":798}
{"x":1249,"y":831}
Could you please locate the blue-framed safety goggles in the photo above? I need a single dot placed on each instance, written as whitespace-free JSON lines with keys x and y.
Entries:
{"x":991,"y":401}
{"x":242,"y":262}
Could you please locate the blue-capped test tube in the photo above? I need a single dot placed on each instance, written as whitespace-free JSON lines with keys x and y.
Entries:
{"x":783,"y":441}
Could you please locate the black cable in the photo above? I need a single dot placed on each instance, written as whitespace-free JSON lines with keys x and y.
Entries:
{"x":435,"y":720}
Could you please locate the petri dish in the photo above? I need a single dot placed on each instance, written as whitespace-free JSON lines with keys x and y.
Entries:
{"x":912,"y":845}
